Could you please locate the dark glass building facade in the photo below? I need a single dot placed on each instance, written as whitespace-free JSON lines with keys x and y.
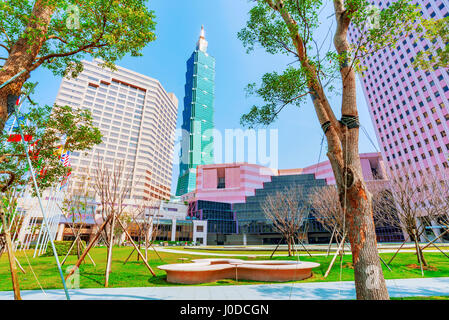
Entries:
{"x":221,"y":219}
{"x":246,"y":223}
{"x":258,"y":229}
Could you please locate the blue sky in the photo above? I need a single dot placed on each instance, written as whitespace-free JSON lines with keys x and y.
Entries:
{"x":178,"y":26}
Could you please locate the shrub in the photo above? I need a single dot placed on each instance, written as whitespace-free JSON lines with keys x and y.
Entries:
{"x":62,"y":247}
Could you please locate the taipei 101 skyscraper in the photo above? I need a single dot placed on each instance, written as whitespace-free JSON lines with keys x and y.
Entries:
{"x":198,"y":116}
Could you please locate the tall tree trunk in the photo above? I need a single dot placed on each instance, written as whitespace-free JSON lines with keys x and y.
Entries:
{"x":23,"y":53}
{"x":356,"y":201}
{"x":419,"y":251}
{"x":354,"y":196}
{"x":12,"y":259}
{"x":343,"y":154}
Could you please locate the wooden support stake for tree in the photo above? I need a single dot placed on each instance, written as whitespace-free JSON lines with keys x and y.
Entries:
{"x":68,"y":252}
{"x":129,"y":256}
{"x":146,"y":253}
{"x":12,"y":260}
{"x":330,"y":242}
{"x":71,"y":248}
{"x":276,"y":247}
{"x":335,"y":256}
{"x":434,"y":240}
{"x":139,"y":250}
{"x":146,"y":245}
{"x":435,"y":247}
{"x":135,"y":247}
{"x":386,"y":265}
{"x":302,"y":244}
{"x":396,"y":252}
{"x":155,"y":251}
{"x":19,"y":265}
{"x":91,"y":244}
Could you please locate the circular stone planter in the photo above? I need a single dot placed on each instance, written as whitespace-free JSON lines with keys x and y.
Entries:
{"x":210,"y":270}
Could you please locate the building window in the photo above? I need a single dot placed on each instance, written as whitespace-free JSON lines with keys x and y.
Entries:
{"x":221,"y":183}
{"x":221,"y":178}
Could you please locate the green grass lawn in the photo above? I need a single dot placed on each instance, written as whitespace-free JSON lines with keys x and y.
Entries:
{"x":399,"y":267}
{"x":423,"y":298}
{"x":135,"y":274}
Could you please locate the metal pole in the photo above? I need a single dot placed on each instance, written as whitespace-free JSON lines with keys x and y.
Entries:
{"x":41,"y":230}
{"x":39,"y":199}
{"x":46,"y":235}
{"x":12,"y":261}
{"x":12,"y":79}
{"x":52,"y":218}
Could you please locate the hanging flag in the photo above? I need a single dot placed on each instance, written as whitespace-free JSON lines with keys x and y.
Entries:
{"x":65,"y":157}
{"x":59,"y":151}
{"x":65,"y":160}
{"x":18,"y":137}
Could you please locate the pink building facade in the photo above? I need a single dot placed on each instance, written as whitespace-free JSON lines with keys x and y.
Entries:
{"x":409,"y":107}
{"x":229,"y":183}
{"x":232,"y":183}
{"x":373,"y":168}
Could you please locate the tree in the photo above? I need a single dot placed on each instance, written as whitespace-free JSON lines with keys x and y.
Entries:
{"x":49,"y":131}
{"x":8,"y":207}
{"x":76,"y":208}
{"x":144,"y":221}
{"x":437,"y":55}
{"x":287,"y":210}
{"x":328,"y":211}
{"x":45,"y":128}
{"x":113,"y":187}
{"x":289,"y":27}
{"x":57,"y":34}
{"x":410,"y":203}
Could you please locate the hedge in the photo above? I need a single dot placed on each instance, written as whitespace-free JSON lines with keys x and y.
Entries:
{"x":62,"y":247}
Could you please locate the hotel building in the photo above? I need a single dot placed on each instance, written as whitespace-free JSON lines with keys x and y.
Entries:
{"x":137,"y":118}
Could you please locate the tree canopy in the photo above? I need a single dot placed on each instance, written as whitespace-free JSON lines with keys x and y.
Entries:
{"x":437,"y":54}
{"x":316,"y":59}
{"x":104,"y":29}
{"x":49,"y":132}
{"x":58,"y":34}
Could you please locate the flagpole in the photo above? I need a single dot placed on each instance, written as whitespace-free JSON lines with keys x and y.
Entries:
{"x":37,"y":190}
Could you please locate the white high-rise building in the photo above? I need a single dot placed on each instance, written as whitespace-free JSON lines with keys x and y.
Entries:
{"x":137,"y":118}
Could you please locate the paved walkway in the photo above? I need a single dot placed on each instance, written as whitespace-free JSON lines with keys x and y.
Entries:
{"x":297,"y":291}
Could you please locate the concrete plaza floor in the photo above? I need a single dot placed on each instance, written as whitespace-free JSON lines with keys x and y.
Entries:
{"x":344,"y":290}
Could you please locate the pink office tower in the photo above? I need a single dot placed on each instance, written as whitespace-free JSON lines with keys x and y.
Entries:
{"x":409,"y":107}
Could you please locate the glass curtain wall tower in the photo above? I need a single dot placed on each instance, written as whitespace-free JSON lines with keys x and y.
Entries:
{"x":198,"y":124}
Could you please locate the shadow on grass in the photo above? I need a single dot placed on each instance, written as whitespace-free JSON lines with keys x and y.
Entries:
{"x":94,"y":277}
